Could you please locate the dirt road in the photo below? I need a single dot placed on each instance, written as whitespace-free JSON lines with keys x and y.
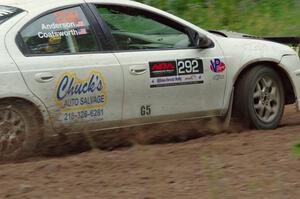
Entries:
{"x":250,"y":164}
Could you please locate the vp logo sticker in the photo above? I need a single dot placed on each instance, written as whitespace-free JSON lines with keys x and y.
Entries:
{"x":217,"y":66}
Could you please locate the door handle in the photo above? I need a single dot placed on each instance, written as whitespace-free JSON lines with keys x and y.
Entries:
{"x":44,"y":77}
{"x":138,"y":70}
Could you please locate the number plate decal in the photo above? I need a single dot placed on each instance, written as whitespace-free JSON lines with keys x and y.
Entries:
{"x":176,"y":73}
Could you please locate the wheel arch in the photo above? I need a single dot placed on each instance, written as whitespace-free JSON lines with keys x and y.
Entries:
{"x":27,"y":102}
{"x":289,"y":88}
{"x":43,"y":116}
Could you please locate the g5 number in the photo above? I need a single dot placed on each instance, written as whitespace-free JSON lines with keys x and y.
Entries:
{"x":146,"y":110}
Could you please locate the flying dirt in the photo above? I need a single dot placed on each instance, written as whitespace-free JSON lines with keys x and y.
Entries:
{"x":161,"y":162}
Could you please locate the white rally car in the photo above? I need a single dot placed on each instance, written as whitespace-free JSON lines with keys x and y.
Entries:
{"x":96,"y":64}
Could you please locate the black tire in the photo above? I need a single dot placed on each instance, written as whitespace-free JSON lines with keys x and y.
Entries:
{"x":20,"y":129}
{"x":252,"y":104}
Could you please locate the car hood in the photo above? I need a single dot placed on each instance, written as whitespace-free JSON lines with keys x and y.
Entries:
{"x":241,"y":49}
{"x":273,"y":47}
{"x":291,"y":40}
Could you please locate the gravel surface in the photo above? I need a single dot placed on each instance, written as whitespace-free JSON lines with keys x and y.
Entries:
{"x":169,"y":163}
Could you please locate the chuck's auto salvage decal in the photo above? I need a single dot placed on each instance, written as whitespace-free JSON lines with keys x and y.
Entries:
{"x":176,"y":73}
{"x":81,"y":99}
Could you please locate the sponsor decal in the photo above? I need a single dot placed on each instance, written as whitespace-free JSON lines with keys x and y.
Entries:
{"x":217,"y":66}
{"x":81,"y":99}
{"x":176,"y":73}
{"x":163,"y":69}
{"x":218,"y":77}
{"x":67,"y":16}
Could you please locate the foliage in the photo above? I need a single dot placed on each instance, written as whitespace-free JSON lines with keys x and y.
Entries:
{"x":258,"y":17}
{"x":297,"y":148}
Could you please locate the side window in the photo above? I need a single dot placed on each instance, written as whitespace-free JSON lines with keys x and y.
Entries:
{"x":64,"y":31}
{"x":136,"y":29}
{"x":7,"y":12}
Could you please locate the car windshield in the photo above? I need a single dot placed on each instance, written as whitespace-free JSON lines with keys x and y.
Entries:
{"x":6,"y":12}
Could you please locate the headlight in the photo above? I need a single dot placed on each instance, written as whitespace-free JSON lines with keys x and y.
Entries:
{"x":296,"y":48}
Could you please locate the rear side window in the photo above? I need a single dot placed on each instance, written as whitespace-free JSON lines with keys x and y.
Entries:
{"x":6,"y":12}
{"x":64,"y":31}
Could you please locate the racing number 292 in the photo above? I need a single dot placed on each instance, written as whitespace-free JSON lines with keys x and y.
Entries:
{"x":189,"y":66}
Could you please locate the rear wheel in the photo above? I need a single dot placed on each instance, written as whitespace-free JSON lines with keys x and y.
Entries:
{"x":259,"y":98}
{"x":19,"y":129}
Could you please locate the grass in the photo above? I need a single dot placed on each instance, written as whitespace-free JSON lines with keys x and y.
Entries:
{"x":297,"y":148}
{"x":257,"y":17}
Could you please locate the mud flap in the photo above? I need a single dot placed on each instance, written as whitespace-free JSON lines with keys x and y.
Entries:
{"x":227,"y":118}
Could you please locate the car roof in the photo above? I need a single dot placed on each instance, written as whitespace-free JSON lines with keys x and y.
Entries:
{"x":25,"y":4}
{"x":36,"y":7}
{"x":39,"y":6}
{"x":33,"y":4}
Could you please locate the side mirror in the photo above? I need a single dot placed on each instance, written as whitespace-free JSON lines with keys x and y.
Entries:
{"x":202,"y":41}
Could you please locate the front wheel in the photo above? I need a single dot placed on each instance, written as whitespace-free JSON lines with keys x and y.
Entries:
{"x":19,"y":129}
{"x":259,"y":98}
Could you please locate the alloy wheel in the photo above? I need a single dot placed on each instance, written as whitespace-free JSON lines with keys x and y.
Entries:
{"x":12,"y":131}
{"x":266,"y":99}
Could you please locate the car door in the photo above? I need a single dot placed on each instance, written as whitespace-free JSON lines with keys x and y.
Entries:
{"x":166,"y":76}
{"x":63,"y":65}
